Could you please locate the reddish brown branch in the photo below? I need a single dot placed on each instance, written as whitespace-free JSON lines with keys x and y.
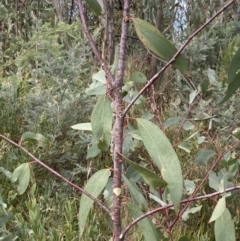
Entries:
{"x":57,"y":174}
{"x":119,"y":124}
{"x":91,"y":42}
{"x":154,"y":78}
{"x":189,"y":200}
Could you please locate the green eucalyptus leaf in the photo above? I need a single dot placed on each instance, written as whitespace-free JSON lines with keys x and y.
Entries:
{"x":38,"y":139}
{"x":96,"y":88}
{"x":148,"y":176}
{"x":138,"y":77}
{"x":234,"y":67}
{"x":192,"y":96}
{"x":82,"y":127}
{"x":164,"y":157}
{"x":219,"y":209}
{"x":203,"y":156}
{"x":101,"y":121}
{"x":236,"y":132}
{"x":232,"y":87}
{"x":204,"y":86}
{"x":188,"y":125}
{"x":212,"y":76}
{"x":224,"y":227}
{"x":136,"y":194}
{"x":146,"y":226}
{"x":185,"y":215}
{"x":152,"y":39}
{"x":94,"y":186}
{"x":7,"y":173}
{"x":95,"y":6}
{"x":22,"y":175}
{"x":172,"y":122}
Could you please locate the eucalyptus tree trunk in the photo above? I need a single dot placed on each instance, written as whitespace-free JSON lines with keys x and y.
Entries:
{"x":108,"y":23}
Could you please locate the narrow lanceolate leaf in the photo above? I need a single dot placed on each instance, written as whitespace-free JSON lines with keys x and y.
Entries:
{"x":218,"y":210}
{"x":164,"y":157}
{"x":224,"y":227}
{"x":232,"y":87}
{"x":146,"y":226}
{"x":148,"y":176}
{"x":37,"y":139}
{"x":101,"y":121}
{"x":203,"y":156}
{"x":95,"y":6}
{"x":152,"y":38}
{"x":94,"y":186}
{"x":22,"y":175}
{"x":234,"y":67}
{"x":82,"y":127}
{"x":136,"y":194}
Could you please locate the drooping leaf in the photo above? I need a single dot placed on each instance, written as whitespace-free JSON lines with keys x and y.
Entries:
{"x":173,"y":121}
{"x":224,"y":229}
{"x":221,"y":181}
{"x":98,"y":86}
{"x":138,"y":77}
{"x":219,"y":209}
{"x":152,"y":39}
{"x":164,"y":157}
{"x":149,"y":177}
{"x":22,"y":175}
{"x":146,"y":226}
{"x":93,"y":150}
{"x":212,"y":76}
{"x":188,"y":125}
{"x":127,"y":142}
{"x":204,"y":86}
{"x":232,"y":87}
{"x":185,"y":146}
{"x":236,"y":132}
{"x":94,"y":186}
{"x":95,"y":6}
{"x":82,"y":127}
{"x":136,"y":194}
{"x":135,"y":134}
{"x":101,"y":121}
{"x":157,"y":199}
{"x":213,"y":181}
{"x":203,"y":156}
{"x":192,"y":96}
{"x":7,"y":173}
{"x":234,"y":67}
{"x":38,"y":139}
{"x":147,"y":115}
{"x":185,"y":215}
{"x":189,"y":186}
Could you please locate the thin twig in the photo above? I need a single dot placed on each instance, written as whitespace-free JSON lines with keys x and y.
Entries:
{"x":189,"y":200}
{"x":57,"y":174}
{"x":203,"y":181}
{"x":155,"y":77}
{"x":91,"y":42}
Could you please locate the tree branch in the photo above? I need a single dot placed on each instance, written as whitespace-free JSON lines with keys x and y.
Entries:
{"x":92,"y":44}
{"x":118,"y":126}
{"x":57,"y":174}
{"x":153,"y":79}
{"x":189,"y":200}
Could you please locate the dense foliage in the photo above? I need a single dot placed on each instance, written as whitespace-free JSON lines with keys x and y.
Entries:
{"x":56,"y":101}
